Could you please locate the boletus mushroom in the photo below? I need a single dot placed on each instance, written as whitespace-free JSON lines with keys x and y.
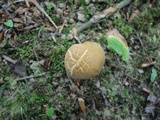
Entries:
{"x":84,"y":61}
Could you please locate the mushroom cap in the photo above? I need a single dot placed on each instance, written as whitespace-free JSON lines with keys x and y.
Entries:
{"x":84,"y":61}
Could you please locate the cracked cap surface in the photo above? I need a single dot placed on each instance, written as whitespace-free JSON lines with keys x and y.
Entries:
{"x":84,"y":61}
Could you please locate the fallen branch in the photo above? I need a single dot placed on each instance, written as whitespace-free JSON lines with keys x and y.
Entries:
{"x":104,"y":14}
{"x":29,"y":77}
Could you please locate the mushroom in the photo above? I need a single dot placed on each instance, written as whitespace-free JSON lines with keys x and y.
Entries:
{"x":84,"y":61}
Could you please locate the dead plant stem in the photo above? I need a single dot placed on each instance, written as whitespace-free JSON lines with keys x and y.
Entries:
{"x":29,"y":77}
{"x":104,"y":14}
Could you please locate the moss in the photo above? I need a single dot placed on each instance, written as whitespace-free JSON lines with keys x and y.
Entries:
{"x":120,"y":23}
{"x":144,"y":22}
{"x":147,"y":16}
{"x":57,"y":56}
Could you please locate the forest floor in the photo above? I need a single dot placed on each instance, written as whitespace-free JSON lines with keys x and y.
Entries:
{"x":33,"y":80}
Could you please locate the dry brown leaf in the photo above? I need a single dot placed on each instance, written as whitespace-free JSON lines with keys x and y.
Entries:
{"x":1,"y":81}
{"x":1,"y":23}
{"x":4,"y":42}
{"x":82,"y":105}
{"x":34,"y":2}
{"x":65,"y":13}
{"x":133,"y":15}
{"x":74,"y":31}
{"x":18,"y":20}
{"x":115,"y":33}
{"x":5,"y":16}
{"x":36,"y":12}
{"x":12,"y":43}
{"x":30,"y":26}
{"x":45,"y":108}
{"x":21,"y":10}
{"x":27,"y":3}
{"x":148,"y":64}
{"x":1,"y":35}
{"x":73,"y":95}
{"x":49,"y":27}
{"x":15,"y":38}
{"x":29,"y":20}
{"x":18,"y":26}
{"x":44,"y":12}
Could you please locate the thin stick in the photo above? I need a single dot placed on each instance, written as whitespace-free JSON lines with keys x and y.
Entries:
{"x":94,"y":108}
{"x":29,"y":77}
{"x":41,"y":9}
{"x":9,"y":59}
{"x":27,"y":3}
{"x":104,"y":14}
{"x":61,"y":28}
{"x":139,"y":38}
{"x":44,"y":12}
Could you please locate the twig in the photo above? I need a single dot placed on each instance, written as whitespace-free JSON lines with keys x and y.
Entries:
{"x":9,"y":59}
{"x":74,"y":32}
{"x":139,"y":38}
{"x":29,"y":77}
{"x":44,"y":12}
{"x":104,"y":98}
{"x":94,"y":108}
{"x":61,"y":28}
{"x":140,"y":87}
{"x":41,"y":9}
{"x":104,"y":14}
{"x":27,"y":3}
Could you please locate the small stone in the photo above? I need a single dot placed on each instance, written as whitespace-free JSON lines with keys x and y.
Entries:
{"x":117,"y":15}
{"x":82,"y":36}
{"x":69,"y":37}
{"x":81,"y":16}
{"x":62,"y":5}
{"x":100,"y":35}
{"x":81,"y":8}
{"x":71,"y":20}
{"x":159,"y":53}
{"x":55,"y":83}
{"x":63,"y":36}
{"x":126,"y":83}
{"x":36,"y":64}
{"x":98,"y":84}
{"x":87,"y":1}
{"x":140,"y":71}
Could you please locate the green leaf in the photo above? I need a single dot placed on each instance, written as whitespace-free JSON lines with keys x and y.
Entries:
{"x":153,"y":75}
{"x":50,"y":111}
{"x":82,"y":2}
{"x":9,"y":23}
{"x":154,"y":39}
{"x":119,"y":47}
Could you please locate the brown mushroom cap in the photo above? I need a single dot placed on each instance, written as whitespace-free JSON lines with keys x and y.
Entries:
{"x":84,"y":61}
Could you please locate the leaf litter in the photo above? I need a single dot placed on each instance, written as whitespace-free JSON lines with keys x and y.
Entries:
{"x":100,"y":98}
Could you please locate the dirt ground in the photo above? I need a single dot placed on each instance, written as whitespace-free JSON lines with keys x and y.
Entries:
{"x":34,"y":37}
